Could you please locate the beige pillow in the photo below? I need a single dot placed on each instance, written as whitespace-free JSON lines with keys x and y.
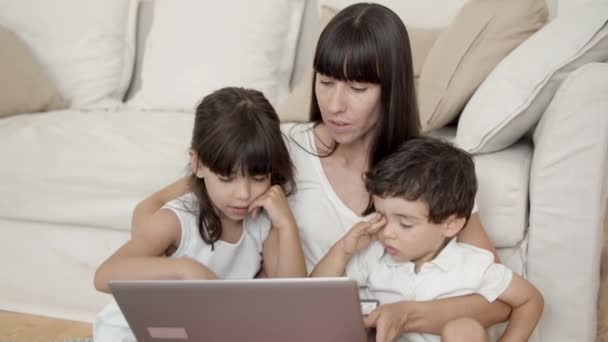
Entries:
{"x":24,"y":87}
{"x":481,"y":35}
{"x":296,"y":106}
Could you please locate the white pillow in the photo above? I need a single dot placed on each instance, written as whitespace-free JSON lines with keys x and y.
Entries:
{"x":195,"y":47}
{"x":87,"y":47}
{"x":514,"y":96}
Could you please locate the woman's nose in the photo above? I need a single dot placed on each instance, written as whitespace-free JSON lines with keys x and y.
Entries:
{"x":337,"y":98}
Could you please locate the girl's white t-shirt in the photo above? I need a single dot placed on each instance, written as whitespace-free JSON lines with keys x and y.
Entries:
{"x":240,"y":260}
{"x":320,"y":214}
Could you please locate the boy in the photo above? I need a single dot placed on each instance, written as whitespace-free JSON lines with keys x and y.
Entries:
{"x":424,"y":194}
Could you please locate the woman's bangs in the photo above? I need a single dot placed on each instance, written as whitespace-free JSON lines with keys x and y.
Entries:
{"x":348,"y":57}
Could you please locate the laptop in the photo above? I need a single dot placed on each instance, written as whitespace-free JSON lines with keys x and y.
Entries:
{"x":271,"y":310}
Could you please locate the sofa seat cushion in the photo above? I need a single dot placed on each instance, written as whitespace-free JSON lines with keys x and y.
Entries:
{"x":88,"y":168}
{"x":502,"y":196}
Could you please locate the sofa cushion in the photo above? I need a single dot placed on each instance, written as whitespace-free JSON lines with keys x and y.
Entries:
{"x":24,"y":85}
{"x":88,"y":168}
{"x":502,"y":196}
{"x":513,"y":97}
{"x":482,"y":34}
{"x":87,"y":47}
{"x":192,"y":49}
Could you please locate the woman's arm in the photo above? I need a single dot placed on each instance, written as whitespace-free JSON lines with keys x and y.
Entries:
{"x":142,"y":257}
{"x":151,"y":204}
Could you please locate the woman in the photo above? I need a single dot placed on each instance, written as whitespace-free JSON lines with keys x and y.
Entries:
{"x":362,"y":108}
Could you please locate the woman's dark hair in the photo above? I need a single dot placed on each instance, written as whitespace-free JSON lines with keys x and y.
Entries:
{"x":369,"y":43}
{"x":236,"y":130}
{"x":430,"y":170}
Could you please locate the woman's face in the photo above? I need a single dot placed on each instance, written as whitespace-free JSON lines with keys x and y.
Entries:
{"x":350,"y":110}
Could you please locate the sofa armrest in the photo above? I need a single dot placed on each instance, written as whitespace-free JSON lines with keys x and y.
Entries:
{"x":567,"y":205}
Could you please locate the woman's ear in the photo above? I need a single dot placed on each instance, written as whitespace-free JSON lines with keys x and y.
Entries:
{"x":198,"y":168}
{"x":452,"y":225}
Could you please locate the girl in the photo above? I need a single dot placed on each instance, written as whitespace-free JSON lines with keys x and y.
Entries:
{"x":240,"y":165}
{"x":362,"y":108}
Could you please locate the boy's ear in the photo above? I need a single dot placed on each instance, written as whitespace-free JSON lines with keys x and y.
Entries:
{"x":452,"y":225}
{"x":198,"y":168}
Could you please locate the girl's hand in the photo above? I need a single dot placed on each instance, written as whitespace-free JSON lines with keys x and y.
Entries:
{"x":275,"y":204}
{"x":362,"y":234}
{"x":191,"y":269}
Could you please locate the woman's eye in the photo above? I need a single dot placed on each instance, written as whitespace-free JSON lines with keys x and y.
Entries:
{"x":225,"y":179}
{"x":325,"y":82}
{"x":358,"y":89}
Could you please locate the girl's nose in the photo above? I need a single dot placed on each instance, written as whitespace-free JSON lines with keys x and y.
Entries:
{"x":243,"y":189}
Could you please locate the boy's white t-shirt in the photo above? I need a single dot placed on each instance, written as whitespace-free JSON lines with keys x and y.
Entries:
{"x":321,"y":216}
{"x":241,"y":260}
{"x":459,"y":269}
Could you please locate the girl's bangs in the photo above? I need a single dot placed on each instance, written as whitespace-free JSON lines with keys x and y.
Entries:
{"x":244,"y":154}
{"x":348,"y":57}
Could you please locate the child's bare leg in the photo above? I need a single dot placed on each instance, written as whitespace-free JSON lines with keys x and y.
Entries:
{"x":463,"y":330}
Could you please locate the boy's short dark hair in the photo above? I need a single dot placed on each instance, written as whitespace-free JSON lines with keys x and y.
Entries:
{"x":430,"y":170}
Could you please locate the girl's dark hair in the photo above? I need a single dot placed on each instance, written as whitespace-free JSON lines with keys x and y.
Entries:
{"x":430,"y":170}
{"x":369,"y":43}
{"x":236,"y":130}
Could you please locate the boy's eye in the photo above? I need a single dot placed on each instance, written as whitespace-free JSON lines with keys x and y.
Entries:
{"x":406,"y":225}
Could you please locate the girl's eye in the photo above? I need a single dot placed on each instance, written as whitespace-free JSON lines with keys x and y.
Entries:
{"x":225,"y":179}
{"x":358,"y":89}
{"x":260,"y":178}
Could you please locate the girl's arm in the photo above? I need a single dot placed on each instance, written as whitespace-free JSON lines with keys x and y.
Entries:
{"x":151,"y":204}
{"x":142,"y":257}
{"x":527,"y":303}
{"x":282,"y":251}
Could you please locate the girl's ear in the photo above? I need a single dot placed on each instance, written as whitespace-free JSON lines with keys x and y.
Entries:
{"x":198,"y":168}
{"x":452,"y":225}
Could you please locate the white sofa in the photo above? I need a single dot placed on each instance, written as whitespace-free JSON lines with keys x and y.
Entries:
{"x":70,"y":178}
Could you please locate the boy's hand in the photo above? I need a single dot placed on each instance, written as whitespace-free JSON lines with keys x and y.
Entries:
{"x":362,"y":234}
{"x":389,"y":320}
{"x":275,"y":204}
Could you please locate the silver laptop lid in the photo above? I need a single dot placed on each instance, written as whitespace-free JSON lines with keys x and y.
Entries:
{"x":272,"y":310}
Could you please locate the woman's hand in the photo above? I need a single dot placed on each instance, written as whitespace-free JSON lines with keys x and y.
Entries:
{"x":276,"y":206}
{"x":362,"y":234}
{"x":389,"y":320}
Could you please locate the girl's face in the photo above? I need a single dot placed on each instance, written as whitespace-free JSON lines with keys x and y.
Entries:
{"x":350,"y":110}
{"x":232,"y":195}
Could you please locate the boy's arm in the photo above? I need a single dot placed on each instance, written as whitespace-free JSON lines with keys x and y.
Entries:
{"x":142,"y":257}
{"x":527,"y":303}
{"x":333,"y":264}
{"x":145,"y":209}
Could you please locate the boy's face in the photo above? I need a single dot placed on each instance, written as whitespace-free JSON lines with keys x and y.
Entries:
{"x":408,"y":234}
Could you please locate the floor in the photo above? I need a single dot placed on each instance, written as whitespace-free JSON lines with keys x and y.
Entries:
{"x":16,"y":327}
